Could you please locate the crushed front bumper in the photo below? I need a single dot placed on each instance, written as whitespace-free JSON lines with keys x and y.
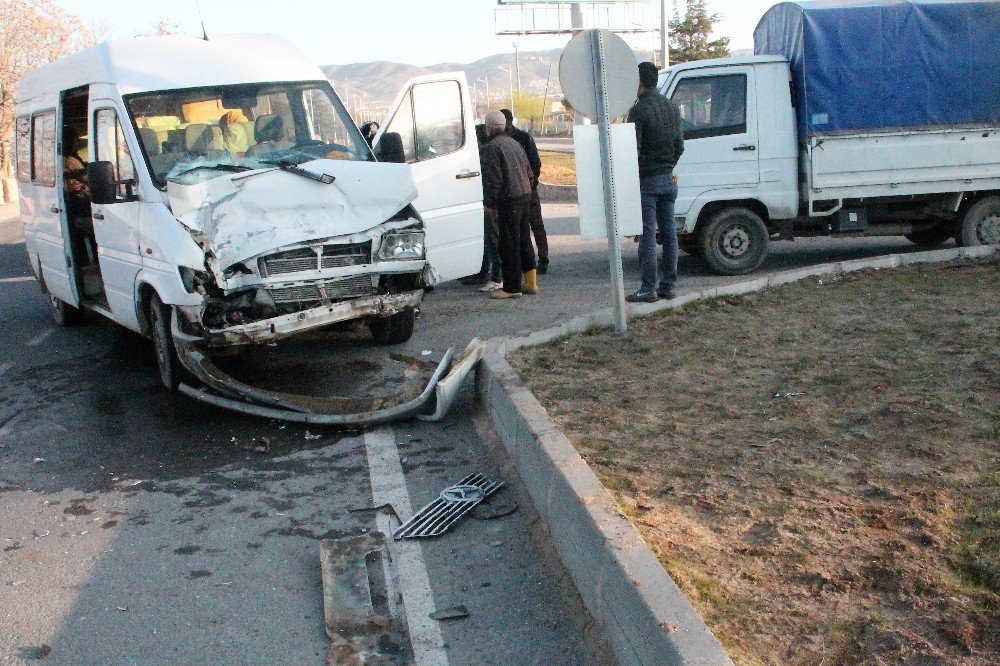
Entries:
{"x":429,"y":401}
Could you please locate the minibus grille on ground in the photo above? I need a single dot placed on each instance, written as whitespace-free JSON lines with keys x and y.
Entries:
{"x":352,"y":287}
{"x":318,"y":257}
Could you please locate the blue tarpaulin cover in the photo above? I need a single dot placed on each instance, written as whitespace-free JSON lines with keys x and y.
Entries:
{"x":888,"y":64}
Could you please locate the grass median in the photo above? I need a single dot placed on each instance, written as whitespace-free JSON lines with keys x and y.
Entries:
{"x":817,"y":466}
{"x":558,"y":168}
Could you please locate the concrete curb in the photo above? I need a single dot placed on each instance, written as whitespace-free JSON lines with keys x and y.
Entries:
{"x":645,"y":616}
{"x":557,"y":193}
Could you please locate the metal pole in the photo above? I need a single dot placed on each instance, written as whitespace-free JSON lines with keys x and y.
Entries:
{"x":517,"y":67}
{"x":607,"y":170}
{"x":664,"y":37}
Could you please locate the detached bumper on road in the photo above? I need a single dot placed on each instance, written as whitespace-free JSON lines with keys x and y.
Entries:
{"x":419,"y":395}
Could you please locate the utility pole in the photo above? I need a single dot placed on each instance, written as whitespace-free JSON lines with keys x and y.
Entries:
{"x":517,"y":67}
{"x":510,"y":79}
{"x":664,"y":36}
{"x":486,"y":80}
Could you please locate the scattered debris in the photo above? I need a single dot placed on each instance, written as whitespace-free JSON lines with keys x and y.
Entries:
{"x":39,"y":535}
{"x":122,"y":608}
{"x":309,"y":435}
{"x":39,"y":460}
{"x":787,"y":394}
{"x":459,"y":612}
{"x":426,"y":352}
{"x":362,"y":618}
{"x":448,"y":508}
{"x":493,"y":511}
{"x":263,"y":447}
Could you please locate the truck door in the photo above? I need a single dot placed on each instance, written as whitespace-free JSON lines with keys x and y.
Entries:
{"x":433,"y":115}
{"x":718,"y":109}
{"x":116,"y":225}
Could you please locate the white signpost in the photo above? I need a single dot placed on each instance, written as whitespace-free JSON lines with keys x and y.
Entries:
{"x":599,"y":75}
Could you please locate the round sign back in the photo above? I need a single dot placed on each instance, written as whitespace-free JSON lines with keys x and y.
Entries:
{"x":576,"y":74}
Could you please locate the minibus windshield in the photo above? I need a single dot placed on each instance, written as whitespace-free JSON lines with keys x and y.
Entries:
{"x":196,"y":134}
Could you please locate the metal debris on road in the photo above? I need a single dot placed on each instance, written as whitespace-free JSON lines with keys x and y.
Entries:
{"x":459,"y":612}
{"x":785,"y":394}
{"x":309,"y":435}
{"x":39,"y":460}
{"x":448,"y":508}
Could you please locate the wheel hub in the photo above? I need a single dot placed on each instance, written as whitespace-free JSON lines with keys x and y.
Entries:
{"x":735,"y":242}
{"x":989,"y":229}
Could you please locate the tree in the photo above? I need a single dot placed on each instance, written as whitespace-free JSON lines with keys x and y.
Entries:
{"x":689,"y":38}
{"x":162,"y":27}
{"x":32,"y":33}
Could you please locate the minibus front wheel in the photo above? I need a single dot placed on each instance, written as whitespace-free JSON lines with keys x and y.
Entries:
{"x":167,"y":360}
{"x":63,"y":314}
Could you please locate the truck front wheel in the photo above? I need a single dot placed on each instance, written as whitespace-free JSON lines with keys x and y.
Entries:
{"x":733,"y":241}
{"x":981,"y":224}
{"x":395,"y":328}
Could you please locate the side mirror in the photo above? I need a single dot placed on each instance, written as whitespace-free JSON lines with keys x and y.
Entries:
{"x":390,"y":148}
{"x":101,"y":180}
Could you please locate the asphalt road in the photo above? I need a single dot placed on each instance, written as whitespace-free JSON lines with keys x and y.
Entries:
{"x":138,"y":526}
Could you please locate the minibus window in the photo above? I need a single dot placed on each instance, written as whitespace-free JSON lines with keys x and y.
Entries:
{"x":110,"y":146}
{"x":43,"y":153}
{"x":23,"y":148}
{"x":430,"y":121}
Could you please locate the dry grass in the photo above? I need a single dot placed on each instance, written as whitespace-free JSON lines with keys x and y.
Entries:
{"x":558,"y":168}
{"x":816,"y":466}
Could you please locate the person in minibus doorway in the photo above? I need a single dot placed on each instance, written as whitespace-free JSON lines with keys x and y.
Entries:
{"x":660,"y":143}
{"x":535,"y":219}
{"x":507,"y":189}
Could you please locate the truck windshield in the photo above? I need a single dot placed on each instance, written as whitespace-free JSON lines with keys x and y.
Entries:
{"x":204,"y":133}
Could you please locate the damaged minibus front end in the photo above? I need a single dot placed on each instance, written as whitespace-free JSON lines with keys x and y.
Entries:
{"x":290,"y":249}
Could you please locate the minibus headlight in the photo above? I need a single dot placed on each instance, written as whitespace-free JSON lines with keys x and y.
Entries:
{"x":402,"y":246}
{"x":194,"y":280}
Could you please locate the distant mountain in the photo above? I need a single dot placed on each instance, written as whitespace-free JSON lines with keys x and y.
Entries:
{"x":369,"y":88}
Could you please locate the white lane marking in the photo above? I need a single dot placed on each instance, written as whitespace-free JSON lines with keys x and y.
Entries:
{"x":389,"y":487}
{"x":23,"y":278}
{"x":40,"y":338}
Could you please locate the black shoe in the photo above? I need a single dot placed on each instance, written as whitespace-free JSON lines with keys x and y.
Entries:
{"x":543,"y":266}
{"x":642,"y":297}
{"x":666,"y":292}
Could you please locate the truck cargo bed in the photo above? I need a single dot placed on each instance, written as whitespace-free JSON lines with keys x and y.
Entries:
{"x":891,"y":164}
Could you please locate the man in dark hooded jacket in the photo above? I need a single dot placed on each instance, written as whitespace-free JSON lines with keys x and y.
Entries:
{"x":537,"y":224}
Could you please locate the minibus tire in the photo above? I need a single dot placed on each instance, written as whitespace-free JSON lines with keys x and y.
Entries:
{"x":167,"y":362}
{"x":981,"y":224}
{"x":63,"y":314}
{"x":395,"y":328}
{"x":733,"y":241}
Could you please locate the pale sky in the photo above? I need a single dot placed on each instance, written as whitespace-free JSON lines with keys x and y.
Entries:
{"x":420,"y":32}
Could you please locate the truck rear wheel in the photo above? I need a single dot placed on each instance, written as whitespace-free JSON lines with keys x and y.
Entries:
{"x":395,"y":328}
{"x":167,"y":361}
{"x":932,"y":237}
{"x":733,"y":241}
{"x":981,"y":224}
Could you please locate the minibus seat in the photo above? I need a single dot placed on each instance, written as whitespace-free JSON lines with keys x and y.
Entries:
{"x":235,"y":138}
{"x":174,"y":142}
{"x":269,"y":131}
{"x":150,"y":141}
{"x":203,"y":139}
{"x":248,"y":130}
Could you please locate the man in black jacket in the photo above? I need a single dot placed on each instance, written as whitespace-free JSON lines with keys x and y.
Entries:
{"x":661,"y":143}
{"x":507,"y":190}
{"x":535,"y":211}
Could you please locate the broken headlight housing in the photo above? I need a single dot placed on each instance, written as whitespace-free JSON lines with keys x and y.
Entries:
{"x":193,"y":279}
{"x":402,"y":246}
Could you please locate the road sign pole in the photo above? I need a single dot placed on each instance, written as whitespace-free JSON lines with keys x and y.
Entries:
{"x":607,"y":170}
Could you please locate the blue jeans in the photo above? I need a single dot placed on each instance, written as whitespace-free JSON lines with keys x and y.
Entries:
{"x":658,"y":196}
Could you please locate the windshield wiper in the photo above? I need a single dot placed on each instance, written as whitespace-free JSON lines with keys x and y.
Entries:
{"x":292,"y":167}
{"x":219,"y":167}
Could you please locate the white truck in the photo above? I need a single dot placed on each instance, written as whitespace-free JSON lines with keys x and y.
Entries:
{"x":213,"y":194}
{"x":853,"y":119}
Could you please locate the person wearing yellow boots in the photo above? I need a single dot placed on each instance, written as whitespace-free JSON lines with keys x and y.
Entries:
{"x":507,"y":189}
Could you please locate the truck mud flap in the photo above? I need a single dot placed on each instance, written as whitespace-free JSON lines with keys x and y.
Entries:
{"x":432,"y":402}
